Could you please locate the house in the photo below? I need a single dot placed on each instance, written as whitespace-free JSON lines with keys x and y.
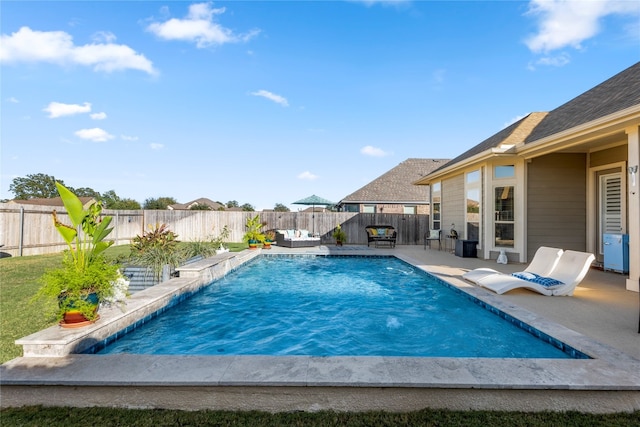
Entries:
{"x":53,"y":201}
{"x":393,"y":192}
{"x":564,"y":179}
{"x":214,"y":206}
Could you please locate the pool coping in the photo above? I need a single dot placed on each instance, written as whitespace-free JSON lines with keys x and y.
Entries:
{"x":309,"y":383}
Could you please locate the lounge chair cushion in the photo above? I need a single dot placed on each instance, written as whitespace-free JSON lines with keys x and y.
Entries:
{"x":547,"y":282}
{"x":434,"y":234}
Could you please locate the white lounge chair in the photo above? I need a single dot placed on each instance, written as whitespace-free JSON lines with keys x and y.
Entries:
{"x":542,"y":264}
{"x":568,"y":273}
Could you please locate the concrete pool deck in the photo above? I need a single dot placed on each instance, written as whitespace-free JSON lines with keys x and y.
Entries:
{"x":601,"y":319}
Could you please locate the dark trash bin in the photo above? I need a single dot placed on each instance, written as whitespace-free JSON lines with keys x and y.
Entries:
{"x":466,"y":248}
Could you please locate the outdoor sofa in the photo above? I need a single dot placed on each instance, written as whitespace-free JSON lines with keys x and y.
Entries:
{"x":296,"y":239}
{"x":381,"y":234}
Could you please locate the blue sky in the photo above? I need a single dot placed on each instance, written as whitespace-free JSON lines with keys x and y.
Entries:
{"x":267,"y":102}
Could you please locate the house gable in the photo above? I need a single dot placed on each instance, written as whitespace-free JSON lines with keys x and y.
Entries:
{"x":395,"y":186}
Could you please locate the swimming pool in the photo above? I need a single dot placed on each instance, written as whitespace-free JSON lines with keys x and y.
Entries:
{"x":333,"y":306}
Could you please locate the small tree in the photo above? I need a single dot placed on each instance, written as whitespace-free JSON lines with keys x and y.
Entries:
{"x":159,"y":203}
{"x":279,"y":207}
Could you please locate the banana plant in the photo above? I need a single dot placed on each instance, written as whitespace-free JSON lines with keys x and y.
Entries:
{"x":85,"y":236}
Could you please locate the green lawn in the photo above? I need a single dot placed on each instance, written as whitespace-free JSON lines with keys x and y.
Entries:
{"x":53,"y":417}
{"x":19,"y":282}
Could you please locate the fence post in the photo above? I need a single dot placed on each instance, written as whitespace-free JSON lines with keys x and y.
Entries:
{"x":21,"y":230}
{"x":116,"y":227}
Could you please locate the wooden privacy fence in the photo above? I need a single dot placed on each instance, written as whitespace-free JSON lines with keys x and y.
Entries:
{"x":29,"y":230}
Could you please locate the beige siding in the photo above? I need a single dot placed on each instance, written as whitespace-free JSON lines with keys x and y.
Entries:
{"x":556,"y":202}
{"x":453,"y":204}
{"x":608,"y":156}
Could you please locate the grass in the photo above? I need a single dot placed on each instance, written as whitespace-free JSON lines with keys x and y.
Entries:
{"x":53,"y":417}
{"x":20,"y":318}
{"x":19,"y":283}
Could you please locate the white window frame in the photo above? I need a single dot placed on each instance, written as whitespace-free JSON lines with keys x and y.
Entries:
{"x":475,"y":186}
{"x":436,"y":198}
{"x":510,"y":181}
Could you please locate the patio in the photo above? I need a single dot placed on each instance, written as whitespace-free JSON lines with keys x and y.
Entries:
{"x":601,"y":319}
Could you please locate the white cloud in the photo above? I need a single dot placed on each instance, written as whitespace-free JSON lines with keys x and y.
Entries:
{"x":57,"y":47}
{"x":13,"y":100}
{"x":307,"y":176}
{"x":559,"y":60}
{"x":98,"y":116}
{"x":439,"y":75}
{"x":513,"y":120}
{"x":129,"y":138}
{"x":94,"y":134}
{"x":199,"y":27}
{"x":382,"y":2}
{"x":373,"y":151}
{"x":104,"y":36}
{"x":58,"y":109}
{"x":567,"y":23}
{"x":156,"y":146}
{"x":272,"y":96}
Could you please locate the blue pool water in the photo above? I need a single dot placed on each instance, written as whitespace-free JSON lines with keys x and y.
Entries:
{"x":331,"y":306}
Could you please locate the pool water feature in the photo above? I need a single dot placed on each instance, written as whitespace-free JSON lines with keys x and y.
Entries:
{"x":335,"y":306}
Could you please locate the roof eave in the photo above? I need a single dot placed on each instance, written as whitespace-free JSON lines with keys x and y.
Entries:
{"x":477,"y":158}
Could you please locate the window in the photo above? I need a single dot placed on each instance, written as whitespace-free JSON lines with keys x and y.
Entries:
{"x":410,"y":210}
{"x":504,"y":216}
{"x":507,"y":171}
{"x":472,"y":218}
{"x":435,"y":206}
{"x":369,"y":209}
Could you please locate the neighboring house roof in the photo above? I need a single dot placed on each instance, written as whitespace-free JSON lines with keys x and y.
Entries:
{"x":395,"y":186}
{"x":615,"y":94}
{"x":197,"y":202}
{"x":54,"y":201}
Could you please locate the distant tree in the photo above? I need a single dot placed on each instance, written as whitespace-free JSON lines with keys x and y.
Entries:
{"x":247,"y":207}
{"x":34,"y":186}
{"x":110,"y":199}
{"x":232,"y":204}
{"x":279,"y":207}
{"x":127,"y":204}
{"x":159,"y":203}
{"x":200,"y":208}
{"x":87,"y":192}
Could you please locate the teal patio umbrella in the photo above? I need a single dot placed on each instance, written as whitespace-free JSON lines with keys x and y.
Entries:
{"x":314,"y":201}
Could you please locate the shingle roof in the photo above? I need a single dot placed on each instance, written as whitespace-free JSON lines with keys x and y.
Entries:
{"x":201,"y":201}
{"x":512,"y":134}
{"x":396,"y":185}
{"x":615,"y":94}
{"x":54,"y":201}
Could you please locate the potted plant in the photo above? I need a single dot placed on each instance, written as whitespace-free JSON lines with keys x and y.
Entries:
{"x":253,"y":235}
{"x":86,"y":278}
{"x":339,"y":235}
{"x":269,"y":237}
{"x":157,"y":249}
